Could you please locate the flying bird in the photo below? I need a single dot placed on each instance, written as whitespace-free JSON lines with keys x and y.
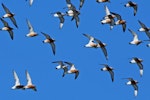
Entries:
{"x":108,"y":18}
{"x":134,"y":84}
{"x":9,"y":15}
{"x":120,"y":21}
{"x":31,"y":33}
{"x":61,"y":18}
{"x":138,"y":61}
{"x":50,"y":41}
{"x":109,"y":69}
{"x":132,"y":4}
{"x":29,"y":82}
{"x":135,"y":40}
{"x":7,"y":28}
{"x":72,"y":70}
{"x":61,"y":66}
{"x":17,"y":82}
{"x":144,"y":29}
{"x":75,"y":15}
{"x":96,"y":44}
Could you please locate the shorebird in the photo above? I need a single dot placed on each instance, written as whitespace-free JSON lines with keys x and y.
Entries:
{"x":109,"y":18}
{"x":133,"y":5}
{"x":135,"y":40}
{"x":75,"y":15}
{"x":61,"y":66}
{"x":9,"y":15}
{"x":50,"y":41}
{"x":17,"y":82}
{"x":61,"y":18}
{"x":7,"y":28}
{"x":138,"y":61}
{"x":134,"y":84}
{"x":109,"y":69}
{"x":72,"y":70}
{"x":120,"y":21}
{"x":30,"y":2}
{"x":98,"y":44}
{"x":31,"y":33}
{"x":101,"y":1}
{"x":144,"y":29}
{"x":29,"y":82}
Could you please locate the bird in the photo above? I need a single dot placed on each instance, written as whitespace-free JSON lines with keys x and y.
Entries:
{"x":109,"y":69}
{"x":96,"y":44}
{"x":91,"y":43}
{"x":61,"y":18}
{"x":101,"y":1}
{"x":108,"y":18}
{"x":31,"y":33}
{"x":133,"y":5}
{"x":134,"y":84}
{"x":138,"y":61}
{"x":7,"y":28}
{"x":29,"y":84}
{"x":120,"y":21}
{"x":72,"y":70}
{"x":61,"y":66}
{"x":30,"y":2}
{"x":17,"y":82}
{"x":135,"y":40}
{"x":50,"y":41}
{"x":144,"y":29}
{"x":81,"y":4}
{"x":9,"y":15}
{"x":75,"y":15}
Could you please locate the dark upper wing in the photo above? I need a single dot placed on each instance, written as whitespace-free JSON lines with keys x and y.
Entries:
{"x":11,"y":34}
{"x":77,"y":20}
{"x":124,"y":27}
{"x":4,"y":22}
{"x":69,"y":63}
{"x":142,"y":25}
{"x":103,"y":48}
{"x":117,"y":15}
{"x":53,"y":47}
{"x":59,"y":62}
{"x":14,"y":21}
{"x":76,"y":74}
{"x":148,"y":34}
{"x":46,"y":35}
{"x":135,"y":9}
{"x":112,"y":75}
{"x":5,"y":8}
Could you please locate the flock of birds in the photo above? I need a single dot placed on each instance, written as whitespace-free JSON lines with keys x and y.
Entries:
{"x":111,"y":18}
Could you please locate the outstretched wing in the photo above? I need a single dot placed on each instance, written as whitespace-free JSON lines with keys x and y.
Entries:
{"x":29,"y":26}
{"x":17,"y":82}
{"x":29,"y":81}
{"x":6,"y":9}
{"x":46,"y":35}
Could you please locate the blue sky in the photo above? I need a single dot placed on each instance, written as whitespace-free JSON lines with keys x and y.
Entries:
{"x":31,"y":54}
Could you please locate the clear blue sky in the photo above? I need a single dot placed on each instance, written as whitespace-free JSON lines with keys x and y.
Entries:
{"x":31,"y":54}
